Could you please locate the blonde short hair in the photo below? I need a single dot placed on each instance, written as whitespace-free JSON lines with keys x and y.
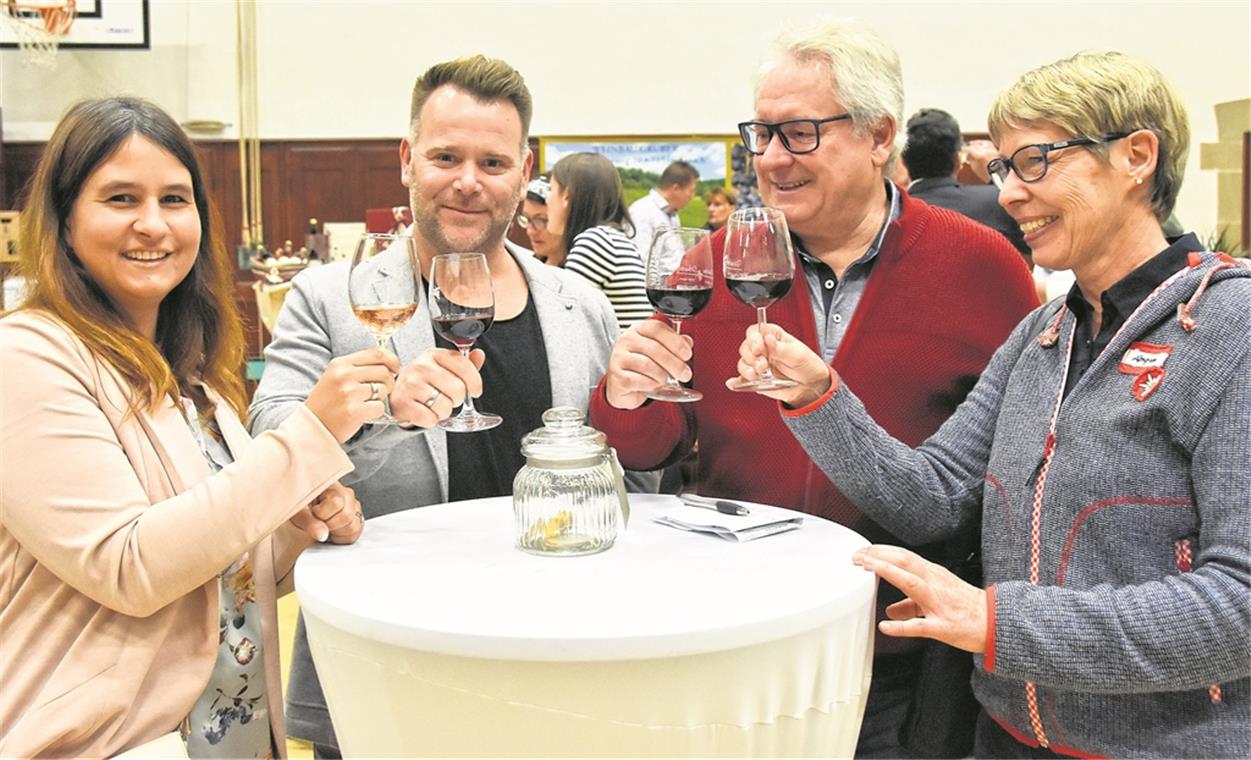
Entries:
{"x":1093,"y":94}
{"x":486,"y":79}
{"x":863,"y":70}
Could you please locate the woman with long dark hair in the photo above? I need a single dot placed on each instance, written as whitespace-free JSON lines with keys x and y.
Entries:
{"x":143,"y":534}
{"x":587,"y":209}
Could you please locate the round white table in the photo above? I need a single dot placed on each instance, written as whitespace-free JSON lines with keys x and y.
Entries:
{"x":433,"y":635}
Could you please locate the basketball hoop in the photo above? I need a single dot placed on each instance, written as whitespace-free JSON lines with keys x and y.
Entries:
{"x":39,"y":26}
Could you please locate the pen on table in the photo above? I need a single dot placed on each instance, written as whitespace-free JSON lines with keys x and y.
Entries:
{"x":720,"y":505}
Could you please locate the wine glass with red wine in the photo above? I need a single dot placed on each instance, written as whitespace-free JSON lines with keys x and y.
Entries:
{"x":758,"y":266}
{"x":679,"y":285}
{"x":382,"y":289}
{"x":462,"y":305}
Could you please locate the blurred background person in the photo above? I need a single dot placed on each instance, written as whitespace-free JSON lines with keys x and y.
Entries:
{"x":1103,"y":450}
{"x":721,"y":202}
{"x":533,"y":219}
{"x":660,"y":207}
{"x":587,"y":213}
{"x":932,"y":157}
{"x":135,"y":512}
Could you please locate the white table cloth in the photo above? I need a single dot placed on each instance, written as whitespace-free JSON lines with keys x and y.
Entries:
{"x":433,"y":635}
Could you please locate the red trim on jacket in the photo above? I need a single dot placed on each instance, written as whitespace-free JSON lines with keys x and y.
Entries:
{"x":1056,"y":748}
{"x":806,"y":408}
{"x":1098,"y":505}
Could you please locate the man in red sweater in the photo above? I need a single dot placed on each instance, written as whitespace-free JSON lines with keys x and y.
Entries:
{"x":907,"y":301}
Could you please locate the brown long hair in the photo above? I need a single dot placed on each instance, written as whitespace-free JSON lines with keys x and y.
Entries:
{"x":595,"y":193}
{"x":199,"y":336}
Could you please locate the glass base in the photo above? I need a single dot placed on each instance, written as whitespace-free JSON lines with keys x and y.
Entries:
{"x":763,"y":384}
{"x":676,"y":393}
{"x":470,"y":423}
{"x":385,"y":419}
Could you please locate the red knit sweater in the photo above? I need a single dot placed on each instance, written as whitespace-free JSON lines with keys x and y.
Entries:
{"x":944,"y":292}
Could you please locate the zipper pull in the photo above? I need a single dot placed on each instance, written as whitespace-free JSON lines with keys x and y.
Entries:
{"x":1049,"y":447}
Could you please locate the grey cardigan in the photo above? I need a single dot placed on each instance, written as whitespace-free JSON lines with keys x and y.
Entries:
{"x":1114,"y":523}
{"x":398,"y":469}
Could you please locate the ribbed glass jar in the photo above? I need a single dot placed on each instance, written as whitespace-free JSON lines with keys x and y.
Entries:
{"x":567,"y":497}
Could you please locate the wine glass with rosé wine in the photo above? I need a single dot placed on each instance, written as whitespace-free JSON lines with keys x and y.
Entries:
{"x":382,"y":289}
{"x":462,"y":305}
{"x":759,"y":266}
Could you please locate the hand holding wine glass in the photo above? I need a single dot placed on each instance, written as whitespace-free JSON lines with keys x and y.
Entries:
{"x":462,"y":306}
{"x":759,"y":266}
{"x":679,"y":285}
{"x":382,"y":289}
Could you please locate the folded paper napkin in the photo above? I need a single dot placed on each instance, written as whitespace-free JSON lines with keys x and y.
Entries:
{"x":763,"y":521}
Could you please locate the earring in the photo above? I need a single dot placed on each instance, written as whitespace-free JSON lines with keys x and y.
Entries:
{"x":1137,"y":180}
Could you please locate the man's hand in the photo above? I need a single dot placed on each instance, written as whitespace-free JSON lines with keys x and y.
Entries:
{"x":939,"y":605}
{"x":435,"y":383}
{"x":335,"y":515}
{"x":646,"y":355}
{"x":787,"y":357}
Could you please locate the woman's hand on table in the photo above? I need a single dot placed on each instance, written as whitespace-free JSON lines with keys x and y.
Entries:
{"x":432,"y":385}
{"x":789,"y":358}
{"x":335,"y":515}
{"x":939,"y":605}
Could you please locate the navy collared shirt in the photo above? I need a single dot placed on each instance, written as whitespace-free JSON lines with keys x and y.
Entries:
{"x":833,"y":301}
{"x":1118,"y":302}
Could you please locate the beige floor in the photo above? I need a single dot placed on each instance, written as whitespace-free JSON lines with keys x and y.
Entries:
{"x":288,"y":609}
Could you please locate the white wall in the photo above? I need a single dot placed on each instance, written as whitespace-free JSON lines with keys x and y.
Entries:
{"x":344,"y":68}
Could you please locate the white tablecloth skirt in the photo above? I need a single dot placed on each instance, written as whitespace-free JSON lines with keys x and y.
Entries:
{"x":799,"y":696}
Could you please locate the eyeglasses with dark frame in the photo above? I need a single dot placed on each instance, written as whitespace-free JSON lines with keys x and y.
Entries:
{"x":539,"y":222}
{"x":1030,"y":162}
{"x":799,"y":136}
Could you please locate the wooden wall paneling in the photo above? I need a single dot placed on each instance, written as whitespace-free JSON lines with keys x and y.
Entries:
{"x":380,"y":163}
{"x":325,"y":181}
{"x":18,"y":167}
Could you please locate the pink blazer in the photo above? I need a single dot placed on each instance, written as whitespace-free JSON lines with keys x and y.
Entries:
{"x":112,"y":536}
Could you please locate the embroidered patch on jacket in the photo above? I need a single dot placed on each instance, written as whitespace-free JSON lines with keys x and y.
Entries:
{"x":1147,"y":383}
{"x":1143,"y":356}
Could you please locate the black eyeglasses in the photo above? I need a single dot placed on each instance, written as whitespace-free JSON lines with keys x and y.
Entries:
{"x":539,"y":222}
{"x":1030,"y":162}
{"x":798,"y":135}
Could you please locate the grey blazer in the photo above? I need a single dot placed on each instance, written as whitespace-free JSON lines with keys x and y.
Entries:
{"x":397,"y":469}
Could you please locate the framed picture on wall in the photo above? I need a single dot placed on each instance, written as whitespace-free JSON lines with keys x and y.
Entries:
{"x":640,"y":160}
{"x":101,"y":24}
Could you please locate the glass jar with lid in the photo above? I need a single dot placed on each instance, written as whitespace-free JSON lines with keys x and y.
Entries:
{"x":569,"y":497}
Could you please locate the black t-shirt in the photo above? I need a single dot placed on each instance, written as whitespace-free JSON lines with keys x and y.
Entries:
{"x":516,"y":385}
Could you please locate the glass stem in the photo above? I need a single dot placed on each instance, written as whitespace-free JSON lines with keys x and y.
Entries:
{"x":767,"y":375}
{"x":466,"y":409}
{"x":386,"y":400}
{"x":677,"y":328}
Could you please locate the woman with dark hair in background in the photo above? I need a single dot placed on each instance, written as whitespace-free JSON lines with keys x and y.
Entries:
{"x":587,"y":210}
{"x":721,"y":202}
{"x":135,"y":512}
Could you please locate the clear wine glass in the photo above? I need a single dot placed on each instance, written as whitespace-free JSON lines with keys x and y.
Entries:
{"x":382,"y":289}
{"x":759,"y":267}
{"x":462,"y":305}
{"x":679,"y":285}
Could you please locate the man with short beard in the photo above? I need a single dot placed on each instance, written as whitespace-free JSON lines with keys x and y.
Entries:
{"x":465,"y":163}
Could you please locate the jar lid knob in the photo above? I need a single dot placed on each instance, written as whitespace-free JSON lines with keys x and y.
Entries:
{"x":563,"y":418}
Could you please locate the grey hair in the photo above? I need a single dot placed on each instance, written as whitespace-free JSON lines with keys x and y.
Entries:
{"x":863,"y":70}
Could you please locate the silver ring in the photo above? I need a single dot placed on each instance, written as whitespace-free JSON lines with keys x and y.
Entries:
{"x":434,"y":396}
{"x":360,"y":516}
{"x":373,"y":392}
